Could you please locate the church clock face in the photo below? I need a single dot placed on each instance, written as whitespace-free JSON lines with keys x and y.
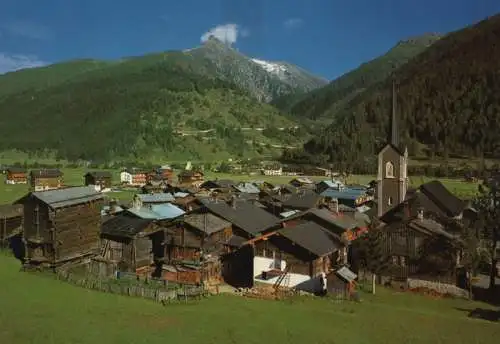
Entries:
{"x":389,"y":170}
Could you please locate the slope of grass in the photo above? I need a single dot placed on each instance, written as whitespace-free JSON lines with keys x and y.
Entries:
{"x":35,"y":309}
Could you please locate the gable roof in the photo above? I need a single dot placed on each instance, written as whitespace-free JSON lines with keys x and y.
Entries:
{"x":156,"y":197}
{"x":206,"y":222}
{"x":429,"y":227}
{"x":439,"y":194}
{"x":46,"y":173}
{"x":165,"y":211}
{"x":312,"y":237}
{"x":304,"y":200}
{"x":247,"y":188}
{"x":244,"y":215}
{"x":124,"y":226}
{"x":16,"y":170}
{"x":65,"y":197}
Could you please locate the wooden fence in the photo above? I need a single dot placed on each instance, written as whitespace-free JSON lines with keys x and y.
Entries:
{"x":158,"y":294}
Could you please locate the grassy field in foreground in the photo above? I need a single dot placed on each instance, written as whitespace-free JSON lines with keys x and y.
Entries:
{"x":37,"y":309}
{"x":74,"y":177}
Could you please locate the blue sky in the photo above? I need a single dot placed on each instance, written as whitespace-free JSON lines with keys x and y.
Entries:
{"x":327,"y":37}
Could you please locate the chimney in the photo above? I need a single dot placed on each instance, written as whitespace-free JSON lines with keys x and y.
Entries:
{"x":336,"y":206}
{"x":420,"y":214}
{"x":232,"y":202}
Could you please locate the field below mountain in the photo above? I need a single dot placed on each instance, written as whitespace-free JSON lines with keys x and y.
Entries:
{"x":74,"y":177}
{"x":56,"y":312}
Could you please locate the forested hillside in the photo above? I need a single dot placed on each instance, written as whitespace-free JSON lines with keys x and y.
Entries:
{"x":324,"y":102}
{"x":447,"y":101}
{"x":138,"y":108}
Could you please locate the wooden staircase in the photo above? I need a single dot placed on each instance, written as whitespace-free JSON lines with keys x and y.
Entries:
{"x":283,"y":280}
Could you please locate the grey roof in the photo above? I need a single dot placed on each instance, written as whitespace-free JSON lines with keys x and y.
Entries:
{"x":165,"y":211}
{"x":312,"y":237}
{"x":346,"y":274}
{"x":206,"y":222}
{"x":124,"y":226}
{"x":443,"y":198}
{"x":244,"y":215}
{"x":11,"y":210}
{"x":156,"y":198}
{"x":235,"y":241}
{"x":341,"y":221}
{"x":247,"y":188}
{"x":430,"y":227}
{"x":68,"y":196}
{"x":302,"y":200}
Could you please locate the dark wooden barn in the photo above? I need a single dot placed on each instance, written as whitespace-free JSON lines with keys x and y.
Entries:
{"x":126,"y":243}
{"x":101,"y":179}
{"x":61,"y":225}
{"x":11,"y":222}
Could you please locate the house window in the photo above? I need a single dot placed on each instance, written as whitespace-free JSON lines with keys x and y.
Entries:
{"x":389,"y":201}
{"x":389,"y":170}
{"x":394,"y":260}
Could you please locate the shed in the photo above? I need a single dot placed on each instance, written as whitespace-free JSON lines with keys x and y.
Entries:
{"x":61,"y":225}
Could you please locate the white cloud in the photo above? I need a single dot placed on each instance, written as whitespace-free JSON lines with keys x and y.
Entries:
{"x":28,"y":29}
{"x":227,"y":33}
{"x":13,"y":62}
{"x":292,"y":23}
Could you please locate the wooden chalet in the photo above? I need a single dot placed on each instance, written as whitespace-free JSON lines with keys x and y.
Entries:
{"x":133,"y":177}
{"x":198,"y":232}
{"x":61,"y":225}
{"x":155,"y":184}
{"x":189,"y":177}
{"x":193,"y":248}
{"x":302,"y":200}
{"x":16,"y":175}
{"x":302,"y":182}
{"x":186,"y":201}
{"x":247,"y":219}
{"x":101,"y":180}
{"x":11,"y":222}
{"x":126,"y":244}
{"x":300,"y":254}
{"x":166,"y":173}
{"x":46,"y":179}
{"x":410,"y":243}
{"x":146,"y":200}
{"x":219,"y":185}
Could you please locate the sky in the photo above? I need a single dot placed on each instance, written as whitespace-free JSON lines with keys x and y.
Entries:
{"x":325,"y":37}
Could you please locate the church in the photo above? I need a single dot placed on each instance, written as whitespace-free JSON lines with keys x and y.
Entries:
{"x":409,"y":217}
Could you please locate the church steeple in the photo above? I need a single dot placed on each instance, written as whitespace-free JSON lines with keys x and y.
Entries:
{"x":394,"y":132}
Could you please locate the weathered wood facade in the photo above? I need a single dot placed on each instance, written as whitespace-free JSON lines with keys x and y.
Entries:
{"x":405,"y":245}
{"x":48,"y":179}
{"x":11,"y":222}
{"x":202,"y":232}
{"x":61,"y":225}
{"x":127,"y":243}
{"x":190,"y":177}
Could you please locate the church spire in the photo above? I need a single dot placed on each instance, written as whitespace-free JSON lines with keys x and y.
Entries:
{"x":394,"y":133}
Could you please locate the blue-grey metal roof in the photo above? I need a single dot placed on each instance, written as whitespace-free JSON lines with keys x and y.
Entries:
{"x":157,"y":212}
{"x":343,"y":194}
{"x":68,"y":196}
{"x":289,"y":213}
{"x":156,"y":197}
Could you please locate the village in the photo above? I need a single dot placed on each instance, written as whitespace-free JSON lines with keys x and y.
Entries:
{"x":265,"y":239}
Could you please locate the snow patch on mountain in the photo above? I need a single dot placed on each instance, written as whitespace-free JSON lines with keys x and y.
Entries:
{"x":270,"y":67}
